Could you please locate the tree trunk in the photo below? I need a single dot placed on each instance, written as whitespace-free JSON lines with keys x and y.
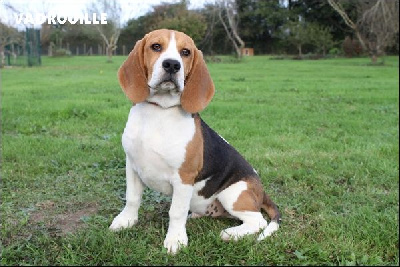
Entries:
{"x":232,"y":31}
{"x":300,"y":53}
{"x":109,"y":53}
{"x":373,"y":52}
{"x":374,"y":58}
{"x":3,"y":59}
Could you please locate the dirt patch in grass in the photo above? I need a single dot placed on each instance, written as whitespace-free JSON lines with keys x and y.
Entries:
{"x":62,"y":223}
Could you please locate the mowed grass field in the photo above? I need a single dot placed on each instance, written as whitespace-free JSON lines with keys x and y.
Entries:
{"x":323,"y":135}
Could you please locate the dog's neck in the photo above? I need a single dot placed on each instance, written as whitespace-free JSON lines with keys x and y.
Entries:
{"x":164,"y":99}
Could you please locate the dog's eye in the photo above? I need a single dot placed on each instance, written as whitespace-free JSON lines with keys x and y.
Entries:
{"x":156,"y":47}
{"x":185,"y":52}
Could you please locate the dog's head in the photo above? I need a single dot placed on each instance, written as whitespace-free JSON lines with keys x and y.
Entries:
{"x":167,"y":62}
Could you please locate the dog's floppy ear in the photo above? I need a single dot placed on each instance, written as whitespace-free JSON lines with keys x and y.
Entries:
{"x":132,"y":74}
{"x":199,"y":87}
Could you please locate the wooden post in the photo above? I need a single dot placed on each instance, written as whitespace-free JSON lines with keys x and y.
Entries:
{"x":124,"y":50}
{"x":77,"y":50}
{"x":68,"y":46}
{"x":99,"y":52}
{"x":84,"y":48}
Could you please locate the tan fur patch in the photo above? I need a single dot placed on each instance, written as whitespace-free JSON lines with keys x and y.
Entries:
{"x":194,"y":156}
{"x":161,"y":37}
{"x":184,"y":41}
{"x":252,"y":198}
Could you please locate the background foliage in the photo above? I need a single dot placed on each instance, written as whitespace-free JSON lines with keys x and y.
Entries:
{"x":263,"y":25}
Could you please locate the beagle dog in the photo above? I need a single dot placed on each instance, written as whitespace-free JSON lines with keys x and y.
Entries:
{"x":169,"y":148}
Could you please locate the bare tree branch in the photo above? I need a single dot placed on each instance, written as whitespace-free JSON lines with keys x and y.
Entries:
{"x":110,"y":32}
{"x":339,"y":8}
{"x":377,"y":24}
{"x":230,"y":9}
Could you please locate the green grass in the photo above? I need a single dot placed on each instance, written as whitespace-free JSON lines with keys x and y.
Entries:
{"x":322,"y":134}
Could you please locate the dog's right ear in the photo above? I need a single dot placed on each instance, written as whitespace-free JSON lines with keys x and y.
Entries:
{"x":199,"y":87}
{"x":132,"y":74}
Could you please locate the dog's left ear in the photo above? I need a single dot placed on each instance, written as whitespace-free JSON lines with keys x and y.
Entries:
{"x":199,"y":87}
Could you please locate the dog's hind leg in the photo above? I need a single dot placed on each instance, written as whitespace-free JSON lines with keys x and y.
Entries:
{"x":243,"y":200}
{"x":273,"y":213}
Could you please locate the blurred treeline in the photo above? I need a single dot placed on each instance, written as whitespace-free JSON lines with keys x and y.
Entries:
{"x":262,"y":25}
{"x":301,"y":27}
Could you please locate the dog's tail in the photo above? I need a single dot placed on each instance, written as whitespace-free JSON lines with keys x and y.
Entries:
{"x":272,"y":210}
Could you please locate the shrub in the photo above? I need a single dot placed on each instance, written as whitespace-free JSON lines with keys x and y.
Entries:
{"x":334,"y":51}
{"x":61,"y":52}
{"x":351,"y":47}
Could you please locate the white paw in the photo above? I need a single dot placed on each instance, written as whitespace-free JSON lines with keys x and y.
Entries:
{"x":234,"y":233}
{"x":123,"y":220}
{"x":268,"y":231}
{"x":175,"y":241}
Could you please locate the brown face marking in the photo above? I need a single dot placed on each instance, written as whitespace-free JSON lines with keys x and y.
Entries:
{"x":185,"y":42}
{"x":250,"y":199}
{"x":161,"y":37}
{"x":194,"y":156}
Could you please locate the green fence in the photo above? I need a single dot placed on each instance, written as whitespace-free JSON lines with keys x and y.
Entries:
{"x":32,"y":47}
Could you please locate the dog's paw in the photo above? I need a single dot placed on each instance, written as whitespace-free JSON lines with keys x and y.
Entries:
{"x":194,"y":215}
{"x":122,"y":221}
{"x":175,"y":241}
{"x":268,"y":231}
{"x":237,"y":232}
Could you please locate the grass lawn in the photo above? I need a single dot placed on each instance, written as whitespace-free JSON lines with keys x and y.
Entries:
{"x":323,"y":135}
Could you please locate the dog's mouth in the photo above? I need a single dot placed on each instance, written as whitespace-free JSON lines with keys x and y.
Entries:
{"x":169,"y":84}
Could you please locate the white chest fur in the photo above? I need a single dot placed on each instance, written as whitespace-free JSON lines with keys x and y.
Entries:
{"x":155,"y":141}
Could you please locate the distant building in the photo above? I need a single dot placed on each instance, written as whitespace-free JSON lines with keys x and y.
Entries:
{"x":247,"y":51}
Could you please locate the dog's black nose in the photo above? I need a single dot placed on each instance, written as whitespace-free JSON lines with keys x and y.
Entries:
{"x":171,"y":65}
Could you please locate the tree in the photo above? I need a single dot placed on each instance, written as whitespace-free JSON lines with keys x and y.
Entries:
{"x":109,"y":32}
{"x":178,"y":17}
{"x":297,"y":34}
{"x":321,"y":13}
{"x":228,"y":15}
{"x":174,"y":16}
{"x":376,"y":25}
{"x":321,"y":37}
{"x":261,"y":24}
{"x":209,"y":12}
{"x":8,"y":36}
{"x":134,"y":30}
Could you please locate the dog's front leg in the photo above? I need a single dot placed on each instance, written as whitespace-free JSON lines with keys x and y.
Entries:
{"x":176,"y":235}
{"x":134,"y":189}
